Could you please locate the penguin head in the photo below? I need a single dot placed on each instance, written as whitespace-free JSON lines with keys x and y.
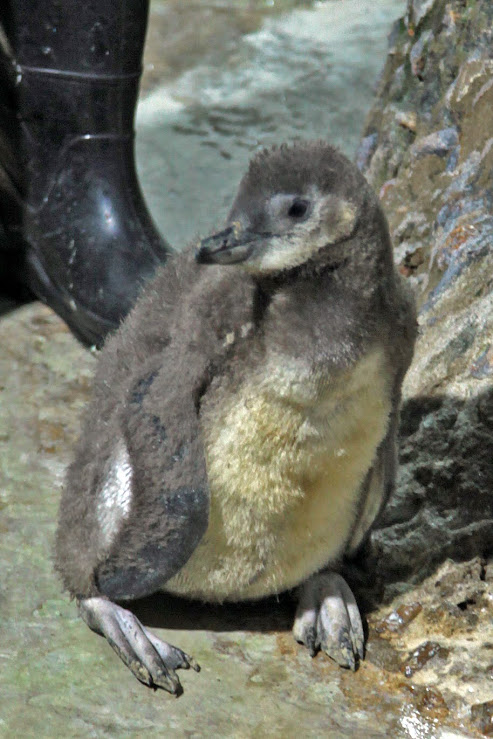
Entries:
{"x":294,"y":206}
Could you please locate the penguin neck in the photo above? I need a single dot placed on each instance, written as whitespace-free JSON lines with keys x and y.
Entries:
{"x":293,"y":280}
{"x":268,"y":286}
{"x":340,"y":288}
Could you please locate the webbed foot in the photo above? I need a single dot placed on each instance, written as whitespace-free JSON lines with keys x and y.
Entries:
{"x":328,"y":618}
{"x":151,"y":660}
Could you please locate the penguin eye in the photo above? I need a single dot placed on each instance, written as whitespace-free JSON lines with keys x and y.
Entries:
{"x":298,"y":208}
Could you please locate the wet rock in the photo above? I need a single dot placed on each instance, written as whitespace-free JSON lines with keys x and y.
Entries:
{"x":398,"y":620}
{"x":422,"y":655}
{"x":482,"y":717}
{"x":429,"y":701}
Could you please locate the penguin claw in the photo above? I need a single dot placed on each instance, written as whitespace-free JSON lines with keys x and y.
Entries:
{"x":152,"y":661}
{"x":328,"y":618}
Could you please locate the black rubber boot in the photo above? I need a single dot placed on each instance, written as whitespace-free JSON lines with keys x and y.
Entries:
{"x":70,"y":202}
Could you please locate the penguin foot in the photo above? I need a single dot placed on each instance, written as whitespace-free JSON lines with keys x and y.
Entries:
{"x":328,"y":618}
{"x":152,"y":661}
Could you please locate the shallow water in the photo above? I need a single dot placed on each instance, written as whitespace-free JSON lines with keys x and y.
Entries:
{"x":307,"y":72}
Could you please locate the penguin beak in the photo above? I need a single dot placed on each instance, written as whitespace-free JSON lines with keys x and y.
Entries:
{"x":231,"y":246}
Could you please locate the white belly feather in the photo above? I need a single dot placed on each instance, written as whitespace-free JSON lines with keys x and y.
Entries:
{"x":286,"y":458}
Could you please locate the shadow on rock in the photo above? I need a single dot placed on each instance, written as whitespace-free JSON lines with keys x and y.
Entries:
{"x":443,"y":505}
{"x":169,"y":612}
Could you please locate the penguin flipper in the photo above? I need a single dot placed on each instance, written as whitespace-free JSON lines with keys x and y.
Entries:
{"x":139,"y":566}
{"x":160,"y":468}
{"x":169,"y":508}
{"x":379,"y":483}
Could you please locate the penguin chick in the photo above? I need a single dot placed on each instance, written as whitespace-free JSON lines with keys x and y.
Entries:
{"x":242,"y":436}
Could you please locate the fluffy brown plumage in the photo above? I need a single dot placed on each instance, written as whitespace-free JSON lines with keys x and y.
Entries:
{"x":242,"y":435}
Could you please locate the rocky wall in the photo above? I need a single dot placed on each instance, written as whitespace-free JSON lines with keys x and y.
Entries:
{"x":428,"y":150}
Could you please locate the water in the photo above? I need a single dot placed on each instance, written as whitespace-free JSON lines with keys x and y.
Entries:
{"x":306,"y":73}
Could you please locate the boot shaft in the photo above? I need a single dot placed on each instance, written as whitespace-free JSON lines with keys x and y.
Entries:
{"x":56,"y":112}
{"x":70,"y":202}
{"x":72,"y":75}
{"x":93,"y":37}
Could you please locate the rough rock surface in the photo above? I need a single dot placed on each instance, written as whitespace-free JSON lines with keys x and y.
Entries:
{"x":428,"y":149}
{"x":432,"y":160}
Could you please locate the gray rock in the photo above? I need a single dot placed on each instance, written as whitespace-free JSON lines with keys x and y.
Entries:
{"x":438,"y":143}
{"x":436,"y":185}
{"x":418,"y":9}
{"x":366,"y":149}
{"x":438,"y":194}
